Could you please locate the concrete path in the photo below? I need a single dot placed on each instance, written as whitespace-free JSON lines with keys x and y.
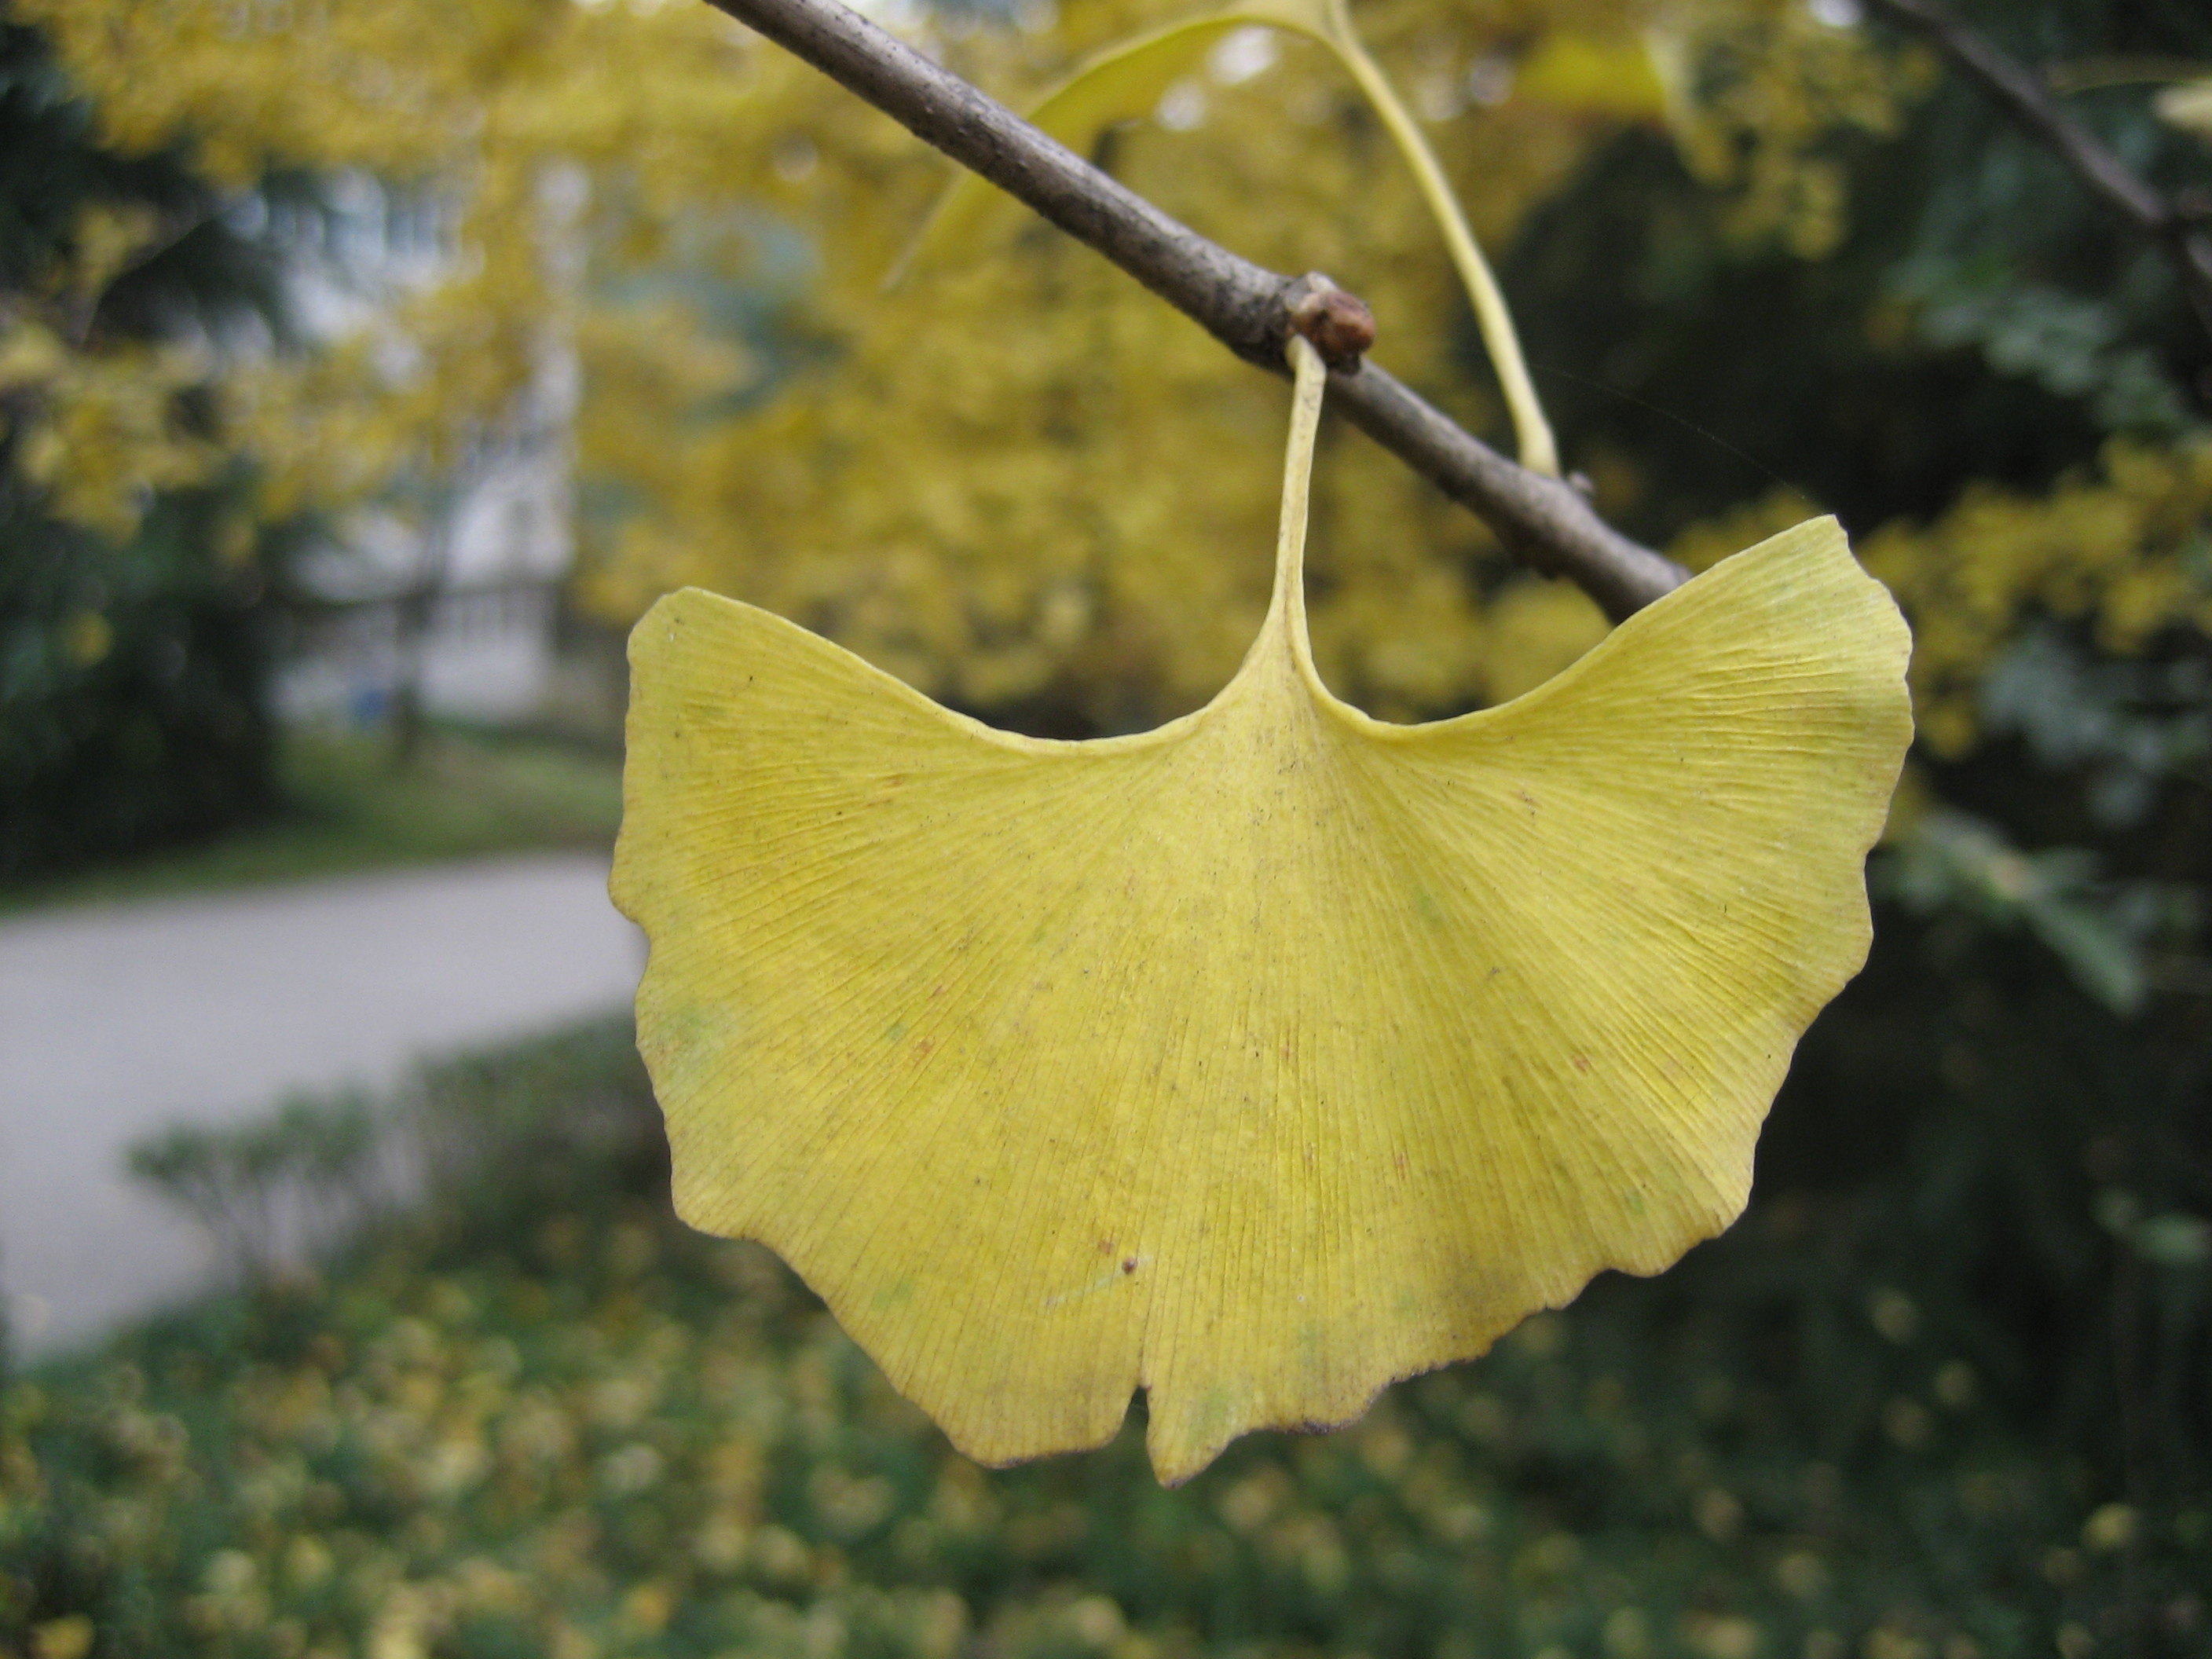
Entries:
{"x":115,"y":1022}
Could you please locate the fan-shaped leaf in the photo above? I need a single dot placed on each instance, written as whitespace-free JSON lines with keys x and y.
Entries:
{"x":1265,"y":1057}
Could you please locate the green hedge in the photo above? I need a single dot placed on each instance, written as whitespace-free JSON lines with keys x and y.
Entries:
{"x":540,"y":1417}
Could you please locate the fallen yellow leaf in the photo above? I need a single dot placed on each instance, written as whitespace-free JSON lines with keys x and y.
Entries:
{"x":1266,"y":1057}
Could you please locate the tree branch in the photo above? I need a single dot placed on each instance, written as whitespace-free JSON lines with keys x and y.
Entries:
{"x":1542,"y":521}
{"x":2024,"y":97}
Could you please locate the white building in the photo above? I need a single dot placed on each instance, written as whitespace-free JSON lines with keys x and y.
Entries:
{"x":467,"y":609}
{"x":460,"y":597}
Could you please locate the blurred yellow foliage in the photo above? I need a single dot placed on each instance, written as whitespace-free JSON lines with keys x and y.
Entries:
{"x":1019,"y":482}
{"x":100,"y":425}
{"x":101,"y":430}
{"x":1759,"y":89}
{"x":2125,"y":552}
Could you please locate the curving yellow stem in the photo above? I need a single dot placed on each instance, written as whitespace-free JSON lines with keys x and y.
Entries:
{"x":1539,"y":451}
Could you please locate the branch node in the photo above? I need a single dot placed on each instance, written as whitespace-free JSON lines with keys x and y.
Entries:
{"x":1339,"y":325}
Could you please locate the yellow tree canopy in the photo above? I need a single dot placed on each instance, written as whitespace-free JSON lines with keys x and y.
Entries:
{"x":1004,"y":516}
{"x":1265,"y":1057}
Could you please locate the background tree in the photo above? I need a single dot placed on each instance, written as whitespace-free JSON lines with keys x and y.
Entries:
{"x":131,"y":660}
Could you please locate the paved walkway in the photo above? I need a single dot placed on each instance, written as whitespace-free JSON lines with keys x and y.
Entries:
{"x":115,"y":1022}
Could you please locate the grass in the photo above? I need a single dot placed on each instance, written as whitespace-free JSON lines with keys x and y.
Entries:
{"x":348,"y":808}
{"x":539,"y":1417}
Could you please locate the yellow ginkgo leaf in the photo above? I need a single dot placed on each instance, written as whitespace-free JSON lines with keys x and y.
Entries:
{"x":1625,"y":78}
{"x":1266,"y":1057}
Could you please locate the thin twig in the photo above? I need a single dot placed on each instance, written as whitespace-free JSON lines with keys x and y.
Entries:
{"x":2025,"y":98}
{"x":1541,"y":520}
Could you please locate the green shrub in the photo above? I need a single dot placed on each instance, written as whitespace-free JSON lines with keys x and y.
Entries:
{"x":538,"y":1416}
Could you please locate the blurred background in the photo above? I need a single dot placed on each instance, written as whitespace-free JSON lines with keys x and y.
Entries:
{"x":364,"y":372}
